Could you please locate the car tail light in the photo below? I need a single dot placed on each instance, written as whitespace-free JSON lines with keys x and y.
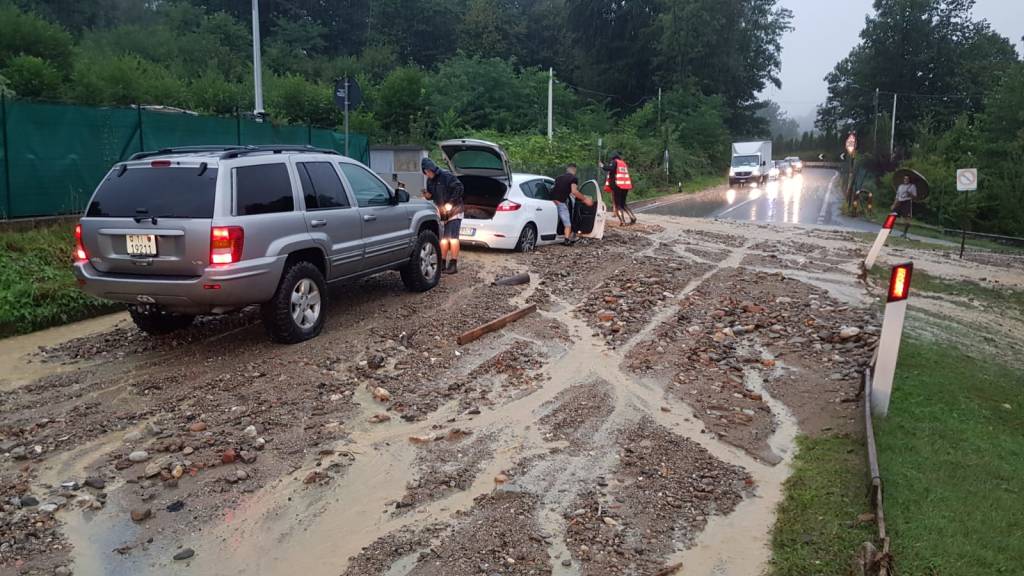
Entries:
{"x":508,"y":206}
{"x":890,"y":221}
{"x":899,"y":282}
{"x":160,"y":164}
{"x":80,"y":254}
{"x":226,"y":244}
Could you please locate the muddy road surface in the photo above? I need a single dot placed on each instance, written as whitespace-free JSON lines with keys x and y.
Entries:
{"x":643,"y":417}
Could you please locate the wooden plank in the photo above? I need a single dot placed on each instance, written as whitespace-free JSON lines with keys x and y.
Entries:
{"x":469,"y":336}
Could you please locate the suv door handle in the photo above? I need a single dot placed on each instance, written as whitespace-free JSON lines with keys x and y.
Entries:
{"x":317,"y":223}
{"x":369,"y":217}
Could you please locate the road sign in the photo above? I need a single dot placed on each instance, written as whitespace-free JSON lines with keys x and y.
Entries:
{"x":347,"y":89}
{"x":967,"y":180}
{"x":851,"y":143}
{"x":821,"y":156}
{"x":842,"y":156}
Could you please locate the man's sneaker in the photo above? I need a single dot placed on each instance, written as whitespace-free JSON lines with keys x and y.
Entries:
{"x":573,"y":239}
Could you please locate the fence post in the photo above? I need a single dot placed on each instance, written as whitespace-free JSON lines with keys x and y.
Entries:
{"x":309,"y":133}
{"x":238,"y":126}
{"x":7,"y":158}
{"x":142,"y":142}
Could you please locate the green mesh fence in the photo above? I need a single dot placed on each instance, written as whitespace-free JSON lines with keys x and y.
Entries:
{"x":53,"y":155}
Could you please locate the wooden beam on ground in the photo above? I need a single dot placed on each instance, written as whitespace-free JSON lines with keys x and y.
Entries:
{"x":467,"y":337}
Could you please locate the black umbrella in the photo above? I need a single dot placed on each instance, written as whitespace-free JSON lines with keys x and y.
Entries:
{"x":923,"y":188}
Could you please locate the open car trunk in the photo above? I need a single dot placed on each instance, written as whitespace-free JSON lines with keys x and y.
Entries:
{"x":482,"y":196}
{"x":484,"y":171}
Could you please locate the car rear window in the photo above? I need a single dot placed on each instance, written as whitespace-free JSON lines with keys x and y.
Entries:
{"x":476,"y":160}
{"x":171,"y":192}
{"x":263,"y":189}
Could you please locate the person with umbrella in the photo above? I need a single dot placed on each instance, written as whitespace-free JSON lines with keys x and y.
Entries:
{"x":903,"y":205}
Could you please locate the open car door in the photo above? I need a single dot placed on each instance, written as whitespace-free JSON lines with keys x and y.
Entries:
{"x":589,"y":220}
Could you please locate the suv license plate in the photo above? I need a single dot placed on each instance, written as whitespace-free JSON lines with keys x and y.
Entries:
{"x":141,"y":244}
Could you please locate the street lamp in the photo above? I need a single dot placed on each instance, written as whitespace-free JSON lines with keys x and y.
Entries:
{"x":257,"y":66}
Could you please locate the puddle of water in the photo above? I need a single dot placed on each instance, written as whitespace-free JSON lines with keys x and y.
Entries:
{"x":18,"y":370}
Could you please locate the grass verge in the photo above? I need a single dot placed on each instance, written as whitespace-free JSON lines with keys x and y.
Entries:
{"x":927,"y":231}
{"x":925,"y":282}
{"x":37,"y":287}
{"x":952,"y":457}
{"x":815,"y":532}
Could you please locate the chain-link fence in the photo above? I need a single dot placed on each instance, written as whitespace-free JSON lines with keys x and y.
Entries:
{"x":53,"y":155}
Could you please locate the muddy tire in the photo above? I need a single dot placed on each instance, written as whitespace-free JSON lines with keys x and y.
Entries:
{"x":527,"y":239}
{"x":423,"y":271}
{"x":157,"y":322}
{"x":297,"y":310}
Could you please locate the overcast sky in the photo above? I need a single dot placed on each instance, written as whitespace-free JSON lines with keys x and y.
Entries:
{"x":825,"y":32}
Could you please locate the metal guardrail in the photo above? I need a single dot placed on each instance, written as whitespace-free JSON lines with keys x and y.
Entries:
{"x":884,"y":558}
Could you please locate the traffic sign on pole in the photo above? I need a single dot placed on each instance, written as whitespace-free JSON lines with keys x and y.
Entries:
{"x":967,"y":180}
{"x":892,"y":333}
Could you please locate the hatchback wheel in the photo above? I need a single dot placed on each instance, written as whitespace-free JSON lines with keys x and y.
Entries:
{"x":296,"y":312}
{"x":527,"y":239}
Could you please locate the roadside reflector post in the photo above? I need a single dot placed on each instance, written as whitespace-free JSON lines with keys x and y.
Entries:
{"x":892,"y":334}
{"x":883,"y":235}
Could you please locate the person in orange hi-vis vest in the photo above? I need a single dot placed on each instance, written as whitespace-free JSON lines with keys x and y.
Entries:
{"x":618,"y":184}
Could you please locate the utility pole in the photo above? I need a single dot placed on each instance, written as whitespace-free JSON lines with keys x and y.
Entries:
{"x":892,"y":137}
{"x":348,"y":98}
{"x":874,"y":148}
{"x":551,"y":103}
{"x":257,"y":66}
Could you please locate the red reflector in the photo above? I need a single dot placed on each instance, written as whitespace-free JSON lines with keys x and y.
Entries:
{"x":211,"y":286}
{"x":899,"y":282}
{"x":890,"y":221}
{"x":508,"y":206}
{"x":226,"y":244}
{"x":160,"y":163}
{"x":80,"y":254}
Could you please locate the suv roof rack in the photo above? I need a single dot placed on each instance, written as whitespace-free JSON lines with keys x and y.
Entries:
{"x":181,"y":150}
{"x":236,"y":151}
{"x":232,"y":151}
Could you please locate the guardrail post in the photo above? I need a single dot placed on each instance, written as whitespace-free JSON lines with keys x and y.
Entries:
{"x":889,"y":342}
{"x":883,"y":235}
{"x":7,"y":158}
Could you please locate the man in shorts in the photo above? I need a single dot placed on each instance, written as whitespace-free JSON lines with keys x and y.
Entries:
{"x":446,"y":192}
{"x":568,"y":185}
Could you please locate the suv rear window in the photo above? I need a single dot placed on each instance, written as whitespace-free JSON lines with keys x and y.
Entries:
{"x":263,"y":189}
{"x":172,"y":192}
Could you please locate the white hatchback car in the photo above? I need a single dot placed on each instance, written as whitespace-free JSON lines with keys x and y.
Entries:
{"x":510,"y":211}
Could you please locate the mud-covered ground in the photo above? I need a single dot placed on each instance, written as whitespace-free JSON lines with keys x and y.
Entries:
{"x":658,"y":387}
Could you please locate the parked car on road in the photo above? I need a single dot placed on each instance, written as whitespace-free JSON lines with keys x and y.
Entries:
{"x":507,"y":210}
{"x":206,"y":230}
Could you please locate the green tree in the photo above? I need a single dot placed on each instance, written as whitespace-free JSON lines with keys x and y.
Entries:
{"x":32,"y":77}
{"x":25,"y":33}
{"x":401,"y":101}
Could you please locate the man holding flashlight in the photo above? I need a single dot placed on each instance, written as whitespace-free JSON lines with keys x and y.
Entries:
{"x":445,"y":190}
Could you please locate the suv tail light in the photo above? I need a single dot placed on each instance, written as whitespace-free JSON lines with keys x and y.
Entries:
{"x":226,"y":244}
{"x":80,"y":254}
{"x":508,"y":206}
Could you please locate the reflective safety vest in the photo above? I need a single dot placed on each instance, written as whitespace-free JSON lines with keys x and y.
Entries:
{"x":622,"y":180}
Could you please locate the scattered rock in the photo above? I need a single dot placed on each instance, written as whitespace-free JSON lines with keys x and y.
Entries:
{"x":241,"y":475}
{"x":259,"y":443}
{"x":28,"y":501}
{"x":132,"y":437}
{"x":184,"y":554}
{"x":247,"y":457}
{"x":141,"y":514}
{"x":847,"y":332}
{"x":138,"y":456}
{"x":381,"y":417}
{"x":420,"y":439}
{"x":250,"y":431}
{"x":228,"y":456}
{"x":188,"y":450}
{"x":96,"y":482}
{"x":176,"y":506}
{"x":376,"y":361}
{"x":611,"y":521}
{"x":500,"y":479}
{"x":49,"y":507}
{"x":197,"y":426}
{"x":381,"y":394}
{"x":62,"y":571}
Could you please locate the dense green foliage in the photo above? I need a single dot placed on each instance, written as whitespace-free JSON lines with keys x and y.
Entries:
{"x":428,"y":70}
{"x":960,"y":105}
{"x":37,"y":288}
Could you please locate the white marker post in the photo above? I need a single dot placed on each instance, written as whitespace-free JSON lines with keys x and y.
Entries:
{"x":892,"y":332}
{"x":883,"y":235}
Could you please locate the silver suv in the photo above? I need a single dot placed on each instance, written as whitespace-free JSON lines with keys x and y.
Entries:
{"x":207,"y":230}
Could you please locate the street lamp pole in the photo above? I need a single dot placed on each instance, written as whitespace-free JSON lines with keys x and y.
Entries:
{"x":257,"y":65}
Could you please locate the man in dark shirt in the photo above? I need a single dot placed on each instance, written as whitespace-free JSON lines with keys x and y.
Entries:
{"x":446,"y":191}
{"x":567,"y":185}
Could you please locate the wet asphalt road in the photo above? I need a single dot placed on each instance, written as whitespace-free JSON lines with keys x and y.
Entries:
{"x":807,"y":198}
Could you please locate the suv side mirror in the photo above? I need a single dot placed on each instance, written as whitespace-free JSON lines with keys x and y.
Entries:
{"x":401,"y":195}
